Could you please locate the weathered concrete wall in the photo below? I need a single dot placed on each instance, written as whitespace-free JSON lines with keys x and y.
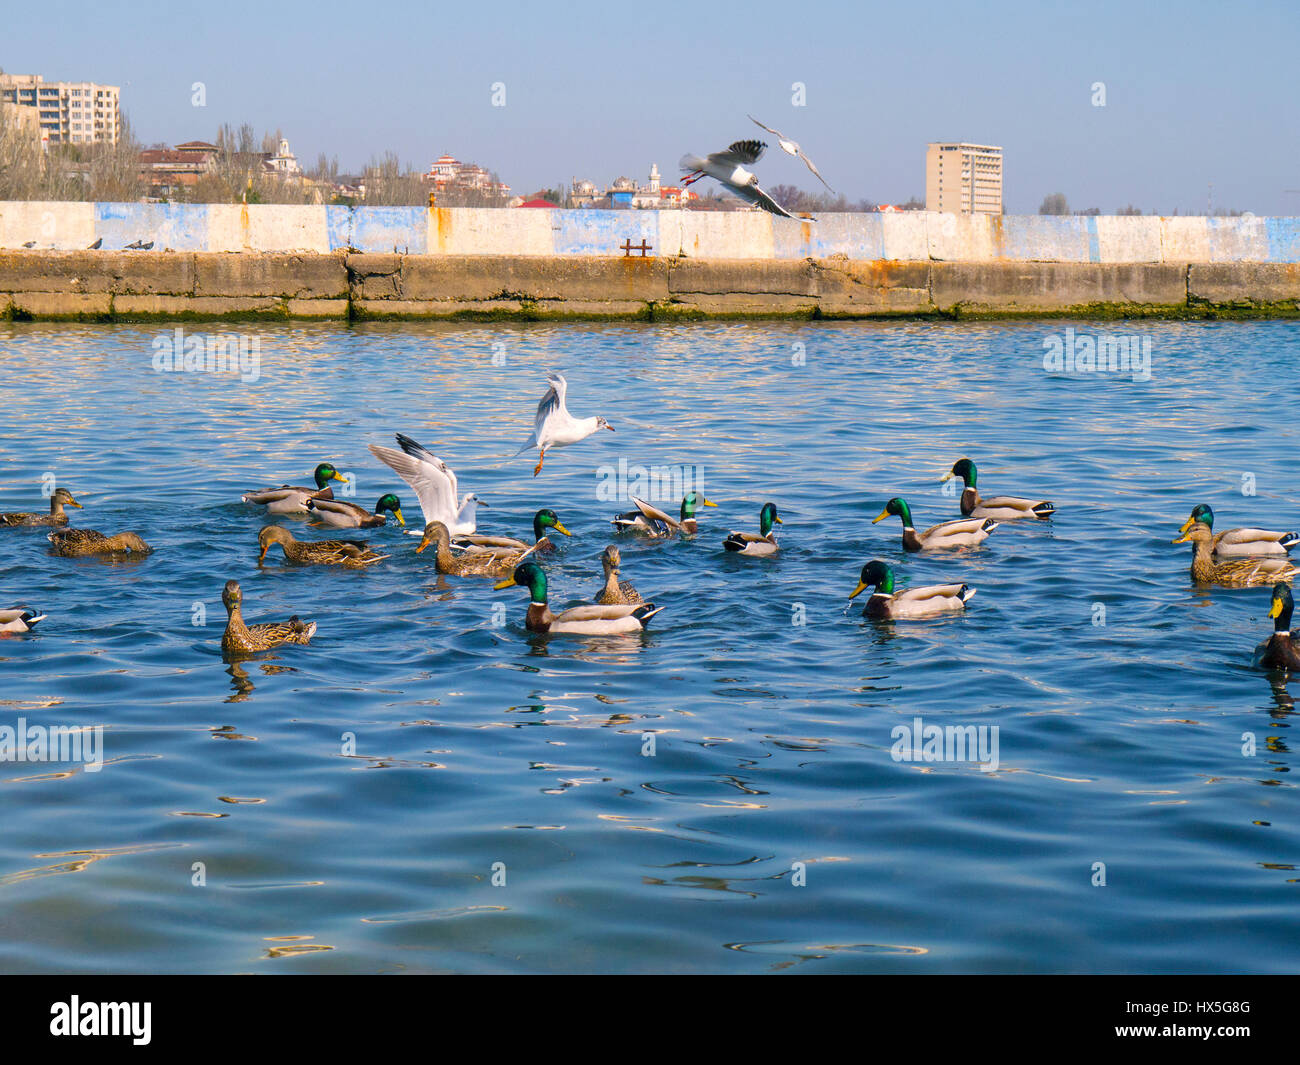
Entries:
{"x":747,"y":235}
{"x":132,"y":286}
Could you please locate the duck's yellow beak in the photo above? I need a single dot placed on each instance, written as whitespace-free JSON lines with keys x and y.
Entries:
{"x":1187,"y":525}
{"x":74,"y":503}
{"x":858,"y":590}
{"x":262,"y":557}
{"x":947,"y":477}
{"x":883,"y":515}
{"x":778,"y":520}
{"x":339,"y":477}
{"x":398,"y":515}
{"x":562,"y":529}
{"x":1182,"y":539}
{"x":503,"y":584}
{"x":1275,"y":609}
{"x":709,"y":504}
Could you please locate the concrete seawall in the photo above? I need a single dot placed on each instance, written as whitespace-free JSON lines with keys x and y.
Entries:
{"x":143,"y":286}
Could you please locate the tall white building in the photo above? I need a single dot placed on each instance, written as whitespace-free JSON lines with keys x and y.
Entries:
{"x":963,"y":178}
{"x":69,"y":112}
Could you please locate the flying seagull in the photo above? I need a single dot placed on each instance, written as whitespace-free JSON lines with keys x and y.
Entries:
{"x":435,"y":485}
{"x":554,"y":426}
{"x":791,"y":148}
{"x":728,"y":168}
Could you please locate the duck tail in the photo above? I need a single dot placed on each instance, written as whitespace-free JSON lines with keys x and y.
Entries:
{"x":966,"y":593}
{"x":645,"y":612}
{"x":1044,"y":510}
{"x":990,"y":525}
{"x":1288,"y":541}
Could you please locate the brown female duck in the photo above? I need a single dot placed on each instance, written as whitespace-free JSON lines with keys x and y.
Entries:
{"x":79,"y":543}
{"x":351,"y":553}
{"x":483,"y":562}
{"x":240,"y":638}
{"x":60,"y":499}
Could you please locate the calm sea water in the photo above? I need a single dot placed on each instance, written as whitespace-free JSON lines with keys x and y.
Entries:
{"x":233,"y":827}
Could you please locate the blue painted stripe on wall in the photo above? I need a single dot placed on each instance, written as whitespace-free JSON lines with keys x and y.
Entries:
{"x":602,"y":232}
{"x":1283,"y":239}
{"x":338,"y":226}
{"x":178,"y":226}
{"x":381,"y":229}
{"x":1094,"y":245}
{"x":859,"y":236}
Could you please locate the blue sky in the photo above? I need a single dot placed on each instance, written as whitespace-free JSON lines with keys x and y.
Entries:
{"x":1195,"y":92}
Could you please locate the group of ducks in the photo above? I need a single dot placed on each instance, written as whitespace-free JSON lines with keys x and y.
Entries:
{"x":1236,"y":558}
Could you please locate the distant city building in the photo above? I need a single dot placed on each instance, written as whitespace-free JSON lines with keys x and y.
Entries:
{"x":26,"y":123}
{"x":168,"y":170}
{"x":624,"y":192}
{"x":963,"y":178}
{"x":283,"y":162}
{"x":69,"y":112}
{"x":583,"y":193}
{"x":448,"y":172}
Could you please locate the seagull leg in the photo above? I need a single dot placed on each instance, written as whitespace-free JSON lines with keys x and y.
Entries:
{"x":540,"y":459}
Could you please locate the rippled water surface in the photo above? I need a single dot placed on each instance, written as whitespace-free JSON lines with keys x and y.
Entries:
{"x":234,"y":827}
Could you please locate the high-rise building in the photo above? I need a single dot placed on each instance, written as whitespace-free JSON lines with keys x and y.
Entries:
{"x":963,"y":178}
{"x":69,"y":112}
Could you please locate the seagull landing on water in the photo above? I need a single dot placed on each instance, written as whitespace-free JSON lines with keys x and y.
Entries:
{"x":555,"y":426}
{"x":791,"y":148}
{"x":728,"y":168}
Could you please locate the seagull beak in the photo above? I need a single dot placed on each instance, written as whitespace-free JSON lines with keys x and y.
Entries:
{"x":883,"y":515}
{"x":562,"y":529}
{"x":609,"y":427}
{"x":482,"y":504}
{"x":503,"y":584}
{"x":398,"y":515}
{"x":1275,"y":609}
{"x":858,"y":590}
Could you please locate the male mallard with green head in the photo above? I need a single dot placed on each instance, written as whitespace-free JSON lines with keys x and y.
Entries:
{"x":353,"y":554}
{"x":544,"y":520}
{"x":764,"y":543}
{"x":292,"y":499}
{"x":964,"y":532}
{"x":1279,"y":651}
{"x":652,"y":521}
{"x":341,"y":515}
{"x":1239,"y":572}
{"x":888,"y":605}
{"x":1238,"y":543}
{"x":240,"y":638}
{"x":79,"y":543}
{"x":19,"y":619}
{"x":1004,"y":508}
{"x":606,"y":619}
{"x":58,"y":500}
{"x":481,"y":563}
{"x":614,"y":590}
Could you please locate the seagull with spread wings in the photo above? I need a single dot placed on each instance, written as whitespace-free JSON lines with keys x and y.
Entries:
{"x":728,"y":169}
{"x":554,"y":426}
{"x":791,"y":148}
{"x":434,"y":483}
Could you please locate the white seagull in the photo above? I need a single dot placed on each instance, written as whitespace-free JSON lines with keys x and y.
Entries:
{"x":791,"y":148}
{"x":728,"y":168}
{"x":555,"y":426}
{"x":434,"y":483}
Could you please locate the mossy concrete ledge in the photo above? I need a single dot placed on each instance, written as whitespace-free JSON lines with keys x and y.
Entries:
{"x":136,"y":286}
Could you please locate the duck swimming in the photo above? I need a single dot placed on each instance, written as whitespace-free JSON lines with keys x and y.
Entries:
{"x":601,"y":620}
{"x":614,"y":590}
{"x":19,"y":620}
{"x":543,"y":520}
{"x":887,"y":604}
{"x":350,"y":553}
{"x":764,"y":543}
{"x":1238,"y":572}
{"x":292,"y":499}
{"x":1004,"y":508}
{"x":964,"y":532}
{"x":655,"y":522}
{"x":58,"y":500}
{"x":484,"y":562}
{"x":1280,"y":650}
{"x":1237,"y":543}
{"x":240,"y":638}
{"x":343,"y":515}
{"x":79,"y":543}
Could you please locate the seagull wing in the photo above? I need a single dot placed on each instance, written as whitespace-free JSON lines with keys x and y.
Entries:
{"x":810,"y":166}
{"x":740,"y":153}
{"x":429,"y":479}
{"x":419,"y":451}
{"x":757,"y":196}
{"x":775,"y":132}
{"x":551,"y":403}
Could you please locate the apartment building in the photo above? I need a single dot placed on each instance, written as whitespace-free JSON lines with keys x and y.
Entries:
{"x":963,"y":178}
{"x":69,"y":112}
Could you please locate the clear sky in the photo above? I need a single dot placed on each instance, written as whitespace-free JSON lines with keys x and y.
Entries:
{"x":1196,"y":92}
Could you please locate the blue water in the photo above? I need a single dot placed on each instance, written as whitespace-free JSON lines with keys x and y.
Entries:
{"x":234,"y":830}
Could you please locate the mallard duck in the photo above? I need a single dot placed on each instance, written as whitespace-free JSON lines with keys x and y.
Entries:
{"x":926,"y":602}
{"x":246,"y":639}
{"x":343,"y":515}
{"x":1279,"y":651}
{"x":1004,"y":508}
{"x":1241,"y":572}
{"x":605,"y":619}
{"x":19,"y":620}
{"x":1236,"y":543}
{"x":292,"y":499}
{"x":60,"y":499}
{"x":77,"y":543}
{"x":756,"y":546}
{"x":482,"y":563}
{"x":616,"y":591}
{"x":351,"y":553}
{"x":435,"y":485}
{"x":544,"y":519}
{"x":655,"y":522}
{"x":964,"y":532}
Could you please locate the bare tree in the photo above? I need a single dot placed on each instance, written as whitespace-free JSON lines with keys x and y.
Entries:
{"x":1054,"y":203}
